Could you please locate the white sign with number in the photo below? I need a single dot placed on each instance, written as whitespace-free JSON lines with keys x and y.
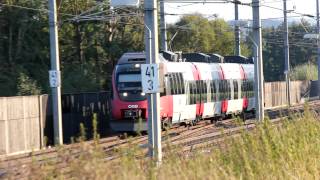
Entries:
{"x":125,"y":3}
{"x":54,"y":78}
{"x":150,"y":78}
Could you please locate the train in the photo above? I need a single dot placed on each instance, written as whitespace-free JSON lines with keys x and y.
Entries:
{"x":196,"y":86}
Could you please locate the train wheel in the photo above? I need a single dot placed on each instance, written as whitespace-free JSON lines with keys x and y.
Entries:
{"x":243,"y":116}
{"x":195,"y":121}
{"x":166,"y":124}
{"x":214,"y":119}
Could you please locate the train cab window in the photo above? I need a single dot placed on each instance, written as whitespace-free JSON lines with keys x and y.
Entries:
{"x":235,"y":89}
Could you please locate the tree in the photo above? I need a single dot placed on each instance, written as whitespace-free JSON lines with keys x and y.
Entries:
{"x":194,"y":33}
{"x":301,"y":51}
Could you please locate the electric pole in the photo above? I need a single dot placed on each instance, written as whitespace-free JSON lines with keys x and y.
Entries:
{"x":163,"y":27}
{"x":152,"y":57}
{"x":318,"y":42}
{"x":259,"y":80}
{"x":54,"y":74}
{"x":286,"y":52}
{"x":237,"y":28}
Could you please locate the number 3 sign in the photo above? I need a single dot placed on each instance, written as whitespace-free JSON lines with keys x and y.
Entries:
{"x":150,"y":78}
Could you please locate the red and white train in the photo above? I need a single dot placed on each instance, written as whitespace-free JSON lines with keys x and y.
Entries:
{"x":193,"y":91}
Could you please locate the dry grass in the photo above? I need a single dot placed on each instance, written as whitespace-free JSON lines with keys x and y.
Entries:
{"x":290,"y":151}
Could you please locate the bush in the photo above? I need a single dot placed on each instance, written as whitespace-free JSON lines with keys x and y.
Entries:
{"x":306,"y":71}
{"x":27,"y":86}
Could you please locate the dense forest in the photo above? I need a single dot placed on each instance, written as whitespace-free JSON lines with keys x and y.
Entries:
{"x":92,"y":37}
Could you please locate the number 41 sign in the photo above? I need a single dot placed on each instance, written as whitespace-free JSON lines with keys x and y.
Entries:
{"x":150,"y":78}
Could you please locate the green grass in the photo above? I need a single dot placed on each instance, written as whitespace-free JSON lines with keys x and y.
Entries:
{"x":303,"y":72}
{"x":290,"y":151}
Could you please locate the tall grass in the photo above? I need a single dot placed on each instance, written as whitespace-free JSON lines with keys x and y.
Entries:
{"x":306,"y":71}
{"x":289,"y":151}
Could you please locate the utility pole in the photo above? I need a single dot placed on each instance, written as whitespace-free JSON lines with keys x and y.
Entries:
{"x":163,"y":27}
{"x":152,"y":57}
{"x":286,"y":52}
{"x":237,"y":28}
{"x":54,"y":74}
{"x":259,"y":80}
{"x":318,"y":42}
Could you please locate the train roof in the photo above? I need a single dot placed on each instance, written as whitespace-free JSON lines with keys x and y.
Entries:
{"x":140,"y":58}
{"x":216,"y":58}
{"x":135,"y":57}
{"x":238,"y":59}
{"x":196,"y":57}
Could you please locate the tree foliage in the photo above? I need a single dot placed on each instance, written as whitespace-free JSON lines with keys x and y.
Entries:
{"x":89,"y":49}
{"x":302,"y":51}
{"x":195,"y":33}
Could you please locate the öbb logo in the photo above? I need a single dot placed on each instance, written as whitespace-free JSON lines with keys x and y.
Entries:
{"x":133,"y":106}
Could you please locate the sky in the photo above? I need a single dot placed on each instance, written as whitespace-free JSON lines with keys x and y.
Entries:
{"x":226,"y":10}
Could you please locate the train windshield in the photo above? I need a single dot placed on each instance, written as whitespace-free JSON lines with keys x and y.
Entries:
{"x":129,"y":83}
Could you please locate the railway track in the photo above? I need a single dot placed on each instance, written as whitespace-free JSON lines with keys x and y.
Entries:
{"x":203,"y":135}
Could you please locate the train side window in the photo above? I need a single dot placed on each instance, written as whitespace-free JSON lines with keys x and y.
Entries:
{"x":220,"y":90}
{"x":251,"y":89}
{"x":224,"y":89}
{"x":201,"y":92}
{"x":204,"y":95}
{"x":235,"y":89}
{"x":178,"y":83}
{"x":165,"y":82}
{"x":190,"y":92}
{"x":228,"y":89}
{"x":243,"y":90}
{"x":194,"y":90}
{"x":218,"y":96}
{"x":171,"y":84}
{"x":247,"y":88}
{"x":226,"y":85}
{"x":211,"y":92}
{"x":214,"y":91}
{"x":175,"y":83}
{"x":182,"y":83}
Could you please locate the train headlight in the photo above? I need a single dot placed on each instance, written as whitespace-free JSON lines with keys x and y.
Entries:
{"x":137,"y":65}
{"x":125,"y":94}
{"x":143,"y":94}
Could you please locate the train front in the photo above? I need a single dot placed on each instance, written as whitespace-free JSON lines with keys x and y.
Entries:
{"x":129,"y":103}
